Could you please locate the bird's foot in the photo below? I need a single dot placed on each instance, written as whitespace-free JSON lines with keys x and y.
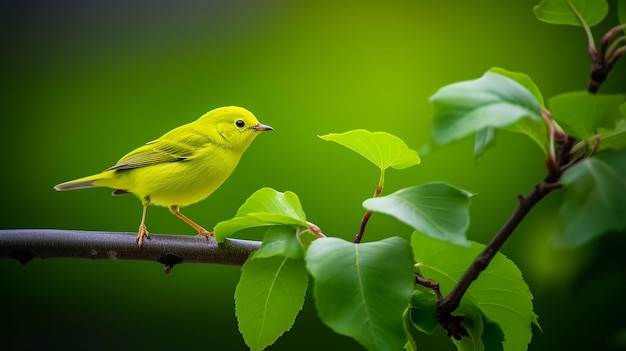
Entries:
{"x":143,"y":231}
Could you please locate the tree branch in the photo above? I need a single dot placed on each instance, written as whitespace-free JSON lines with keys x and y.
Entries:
{"x":450,"y":303}
{"x":452,"y":300}
{"x":26,"y":244}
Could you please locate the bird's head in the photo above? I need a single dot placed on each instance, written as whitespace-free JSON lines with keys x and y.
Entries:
{"x":234,"y":127}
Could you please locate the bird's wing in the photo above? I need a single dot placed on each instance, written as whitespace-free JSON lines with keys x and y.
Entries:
{"x":155,"y":152}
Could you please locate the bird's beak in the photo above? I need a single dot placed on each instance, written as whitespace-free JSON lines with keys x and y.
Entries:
{"x":261,"y":128}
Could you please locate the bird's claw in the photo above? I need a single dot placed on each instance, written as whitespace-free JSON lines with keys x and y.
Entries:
{"x":143,"y":231}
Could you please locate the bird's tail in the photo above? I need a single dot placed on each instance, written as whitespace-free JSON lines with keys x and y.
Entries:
{"x":82,"y":183}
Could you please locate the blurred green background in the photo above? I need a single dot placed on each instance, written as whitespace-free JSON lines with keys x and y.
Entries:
{"x":84,"y":82}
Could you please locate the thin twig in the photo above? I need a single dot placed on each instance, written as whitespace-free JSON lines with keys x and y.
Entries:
{"x":431,"y":284}
{"x":366,"y":217}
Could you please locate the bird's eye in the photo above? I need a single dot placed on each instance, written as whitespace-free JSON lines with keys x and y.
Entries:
{"x":239,"y":123}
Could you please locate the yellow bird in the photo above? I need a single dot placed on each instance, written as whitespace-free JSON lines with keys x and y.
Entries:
{"x":182,"y":167}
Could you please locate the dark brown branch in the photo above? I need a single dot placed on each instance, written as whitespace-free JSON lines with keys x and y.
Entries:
{"x":26,"y":244}
{"x":452,"y":300}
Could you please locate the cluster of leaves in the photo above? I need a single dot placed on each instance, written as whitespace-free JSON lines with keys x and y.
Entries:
{"x":368,"y":291}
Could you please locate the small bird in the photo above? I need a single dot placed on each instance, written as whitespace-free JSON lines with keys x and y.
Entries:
{"x":183,"y":166}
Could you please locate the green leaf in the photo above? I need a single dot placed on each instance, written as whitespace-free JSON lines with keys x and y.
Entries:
{"x":410,"y":345}
{"x":362,"y":290}
{"x":581,"y":113}
{"x":266,"y":207}
{"x":536,"y":130}
{"x":523,"y":79}
{"x":595,"y":198}
{"x":613,"y":138}
{"x":439,"y":210}
{"x":485,"y":138}
{"x":281,"y":241}
{"x":268,"y":200}
{"x":493,"y":336}
{"x":562,"y":11}
{"x":474,"y":324}
{"x":424,"y":311}
{"x":382,"y":149}
{"x":268,"y":298}
{"x":500,"y":292}
{"x":492,"y":101}
{"x":483,"y":334}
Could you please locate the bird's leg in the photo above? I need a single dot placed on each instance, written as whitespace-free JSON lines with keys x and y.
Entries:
{"x":201,"y":231}
{"x":143,"y":231}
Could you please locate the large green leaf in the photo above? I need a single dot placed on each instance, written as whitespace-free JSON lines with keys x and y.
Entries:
{"x":382,"y":149}
{"x":595,"y":198}
{"x":266,"y":207}
{"x":534,"y":129}
{"x":581,"y":113}
{"x":269,"y":296}
{"x":500,"y":292}
{"x":439,"y":210}
{"x":492,"y":101}
{"x":564,"y":11}
{"x":362,"y":290}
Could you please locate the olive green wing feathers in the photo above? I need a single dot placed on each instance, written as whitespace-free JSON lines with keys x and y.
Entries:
{"x":155,"y":152}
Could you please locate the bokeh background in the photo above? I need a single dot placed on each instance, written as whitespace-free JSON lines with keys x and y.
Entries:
{"x":84,"y":82}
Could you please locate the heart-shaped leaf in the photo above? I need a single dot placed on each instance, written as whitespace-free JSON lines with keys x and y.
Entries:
{"x":382,"y":149}
{"x":439,"y":210}
{"x":362,"y":290}
{"x":591,"y":12}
